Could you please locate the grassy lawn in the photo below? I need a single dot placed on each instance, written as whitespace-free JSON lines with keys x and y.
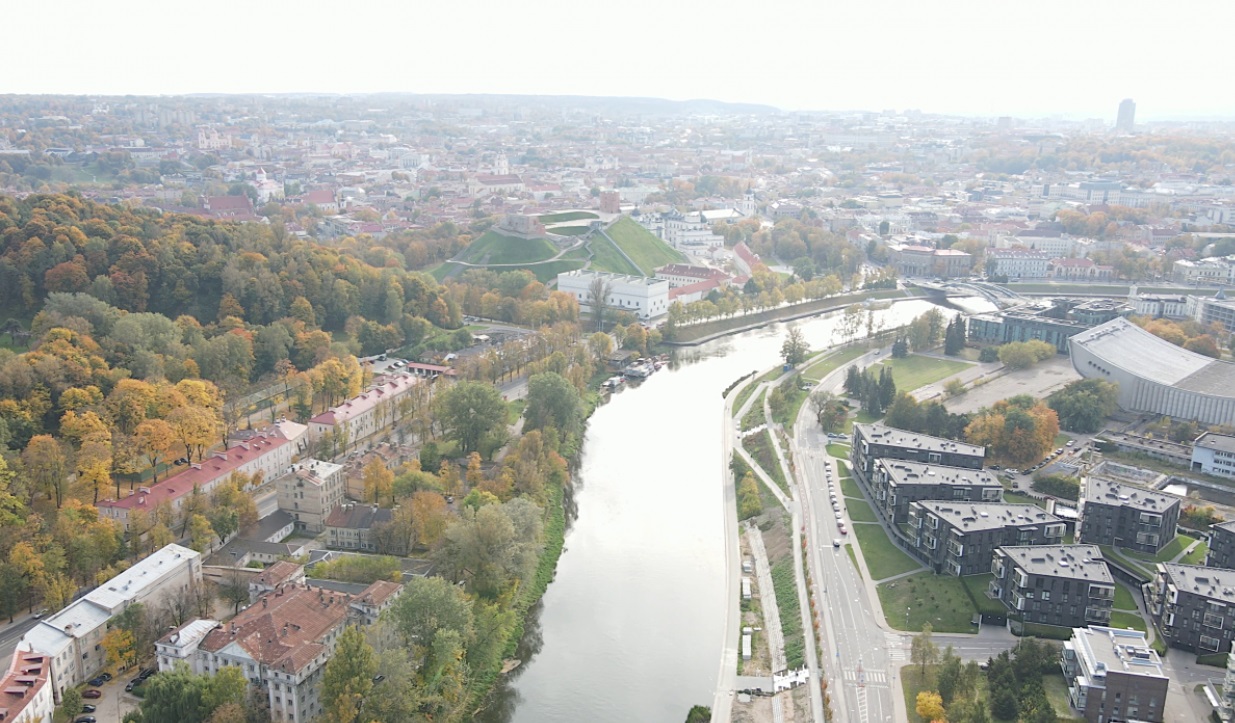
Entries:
{"x":1197,"y":556}
{"x":568,"y":230}
{"x":832,"y":362}
{"x":842,"y":468}
{"x":850,"y":488}
{"x":495,"y":248}
{"x":1110,"y":553}
{"x":940,"y":600}
{"x":1057,"y":693}
{"x":649,"y":252}
{"x":860,"y":511}
{"x":743,"y":395}
{"x":883,"y":558}
{"x":1218,"y":660}
{"x":916,"y":371}
{"x":1128,"y":620}
{"x":853,"y":557}
{"x":840,"y":451}
{"x":754,"y":416}
{"x":567,"y":216}
{"x":1062,"y":439}
{"x":860,"y":417}
{"x":546,"y":273}
{"x":1166,"y":554}
{"x":1016,"y":498}
{"x":976,"y":586}
{"x":608,"y":258}
{"x":514,"y":410}
{"x":1123,"y":598}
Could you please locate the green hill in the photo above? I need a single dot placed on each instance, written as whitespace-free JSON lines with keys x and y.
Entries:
{"x":607,"y":258}
{"x":497,"y":248}
{"x":649,"y":252}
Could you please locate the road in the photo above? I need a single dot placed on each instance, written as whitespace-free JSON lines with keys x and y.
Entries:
{"x":10,"y":635}
{"x":722,"y":702}
{"x":859,"y":657}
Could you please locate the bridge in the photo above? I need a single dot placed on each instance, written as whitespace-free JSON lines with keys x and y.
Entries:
{"x":994,"y":293}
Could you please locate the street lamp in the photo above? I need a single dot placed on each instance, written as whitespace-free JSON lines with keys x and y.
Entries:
{"x":907,"y":609}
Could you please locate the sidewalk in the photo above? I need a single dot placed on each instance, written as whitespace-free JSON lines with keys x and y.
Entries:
{"x":767,"y":598}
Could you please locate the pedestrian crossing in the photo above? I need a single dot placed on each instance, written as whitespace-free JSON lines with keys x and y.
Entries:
{"x":869,"y":677}
{"x":895,"y":646}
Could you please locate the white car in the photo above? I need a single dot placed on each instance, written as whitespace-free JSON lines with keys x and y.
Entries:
{"x":836,"y":542}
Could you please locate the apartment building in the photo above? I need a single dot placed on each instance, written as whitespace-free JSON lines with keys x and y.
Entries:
{"x":877,"y":441}
{"x":25,"y":691}
{"x":1212,"y":310}
{"x":310,"y":492}
{"x":268,"y":452}
{"x":1221,"y":546}
{"x":373,"y":411}
{"x":896,"y":483}
{"x":1017,"y":263}
{"x":961,"y":538}
{"x":1064,"y":585}
{"x":1113,"y":675}
{"x":1122,"y":515}
{"x":1194,"y":607}
{"x":282,"y":642}
{"x":72,"y":638}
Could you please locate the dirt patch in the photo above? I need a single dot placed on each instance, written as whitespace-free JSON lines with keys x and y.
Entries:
{"x":776,"y":539}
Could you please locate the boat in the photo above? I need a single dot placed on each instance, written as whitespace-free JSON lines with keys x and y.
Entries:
{"x":639,"y":371}
{"x":613,"y":383}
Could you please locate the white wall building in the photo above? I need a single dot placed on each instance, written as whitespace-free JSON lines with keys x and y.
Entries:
{"x":1158,"y":305}
{"x":310,"y":492}
{"x":1154,"y":375}
{"x":1220,"y":270}
{"x":1214,"y":454}
{"x":72,"y":637}
{"x":1017,"y":263}
{"x":645,"y":298}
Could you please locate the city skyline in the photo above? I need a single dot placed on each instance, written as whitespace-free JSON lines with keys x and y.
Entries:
{"x":1053,"y":59}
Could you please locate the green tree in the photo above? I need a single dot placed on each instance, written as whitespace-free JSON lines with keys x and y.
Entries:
{"x":951,"y":673}
{"x":1024,"y":354}
{"x":1085,"y":404}
{"x":348,"y":677}
{"x":699,"y":714}
{"x":71,"y":703}
{"x":427,"y":606}
{"x":553,"y":402}
{"x":472,"y":413}
{"x":922,"y":649}
{"x":795,"y":349}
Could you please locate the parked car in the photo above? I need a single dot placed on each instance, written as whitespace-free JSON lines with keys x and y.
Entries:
{"x":88,"y":708}
{"x":100,"y":680}
{"x":92,"y":693}
{"x":86,"y":719}
{"x":128,"y":688}
{"x":147,"y":673}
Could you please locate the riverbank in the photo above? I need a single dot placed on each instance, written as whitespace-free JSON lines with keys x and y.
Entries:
{"x":697,"y":334}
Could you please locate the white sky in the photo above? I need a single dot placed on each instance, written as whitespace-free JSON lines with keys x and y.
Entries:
{"x":1076,"y":58}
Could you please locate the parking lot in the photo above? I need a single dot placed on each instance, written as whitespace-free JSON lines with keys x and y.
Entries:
{"x":1037,"y":381}
{"x":115,"y":702}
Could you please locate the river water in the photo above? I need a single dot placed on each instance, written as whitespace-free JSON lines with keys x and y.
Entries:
{"x":631,"y":628}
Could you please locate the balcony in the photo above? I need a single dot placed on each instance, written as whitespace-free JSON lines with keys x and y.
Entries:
{"x":1213,"y":621}
{"x":1100,"y":616}
{"x":1098,"y":592}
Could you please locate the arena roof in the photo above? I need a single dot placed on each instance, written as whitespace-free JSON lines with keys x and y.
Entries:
{"x":1127,"y":346}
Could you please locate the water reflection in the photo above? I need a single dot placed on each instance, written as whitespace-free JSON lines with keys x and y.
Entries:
{"x":631,"y":628}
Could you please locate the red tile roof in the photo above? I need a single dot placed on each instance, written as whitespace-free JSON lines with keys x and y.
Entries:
{"x":28,"y":672}
{"x":284,"y":630}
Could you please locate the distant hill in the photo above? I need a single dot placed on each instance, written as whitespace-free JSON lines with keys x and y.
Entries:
{"x":497,"y":248}
{"x":648,"y":252}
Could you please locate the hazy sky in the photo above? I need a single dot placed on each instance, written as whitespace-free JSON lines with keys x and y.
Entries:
{"x":1077,"y":58}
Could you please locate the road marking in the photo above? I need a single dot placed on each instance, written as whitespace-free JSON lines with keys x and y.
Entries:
{"x":875,"y":677}
{"x":863,"y":715}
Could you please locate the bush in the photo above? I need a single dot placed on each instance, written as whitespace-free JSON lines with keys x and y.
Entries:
{"x":988,"y":354}
{"x":1024,"y":354}
{"x":1058,"y":485}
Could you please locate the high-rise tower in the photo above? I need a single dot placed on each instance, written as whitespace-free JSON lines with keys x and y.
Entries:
{"x":1127,"y":116}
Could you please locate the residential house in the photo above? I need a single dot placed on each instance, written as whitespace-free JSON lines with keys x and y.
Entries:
{"x":350,"y":526}
{"x":1062,"y":585}
{"x":1113,"y":675}
{"x":1017,"y":263}
{"x":643,"y":297}
{"x":283,"y":573}
{"x":1113,"y":513}
{"x":960,"y":538}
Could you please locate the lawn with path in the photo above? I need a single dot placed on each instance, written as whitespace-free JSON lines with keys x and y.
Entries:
{"x":940,"y":600}
{"x":840,"y":451}
{"x":850,"y":488}
{"x":977,"y":585}
{"x":883,"y":558}
{"x":608,"y":258}
{"x":496,"y":248}
{"x":831,"y":362}
{"x":1128,"y":620}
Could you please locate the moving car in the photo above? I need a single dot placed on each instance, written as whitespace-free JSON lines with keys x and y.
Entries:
{"x":836,"y":542}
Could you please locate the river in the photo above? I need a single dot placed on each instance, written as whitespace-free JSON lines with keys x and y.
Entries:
{"x":631,"y":628}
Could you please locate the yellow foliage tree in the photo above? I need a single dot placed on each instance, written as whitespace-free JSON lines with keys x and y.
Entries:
{"x":930,"y":706}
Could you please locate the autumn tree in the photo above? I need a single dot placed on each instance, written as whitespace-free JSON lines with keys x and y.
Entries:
{"x":378,"y":482}
{"x":922,"y":649}
{"x":930,"y":706}
{"x":348,"y":677}
{"x":47,"y":465}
